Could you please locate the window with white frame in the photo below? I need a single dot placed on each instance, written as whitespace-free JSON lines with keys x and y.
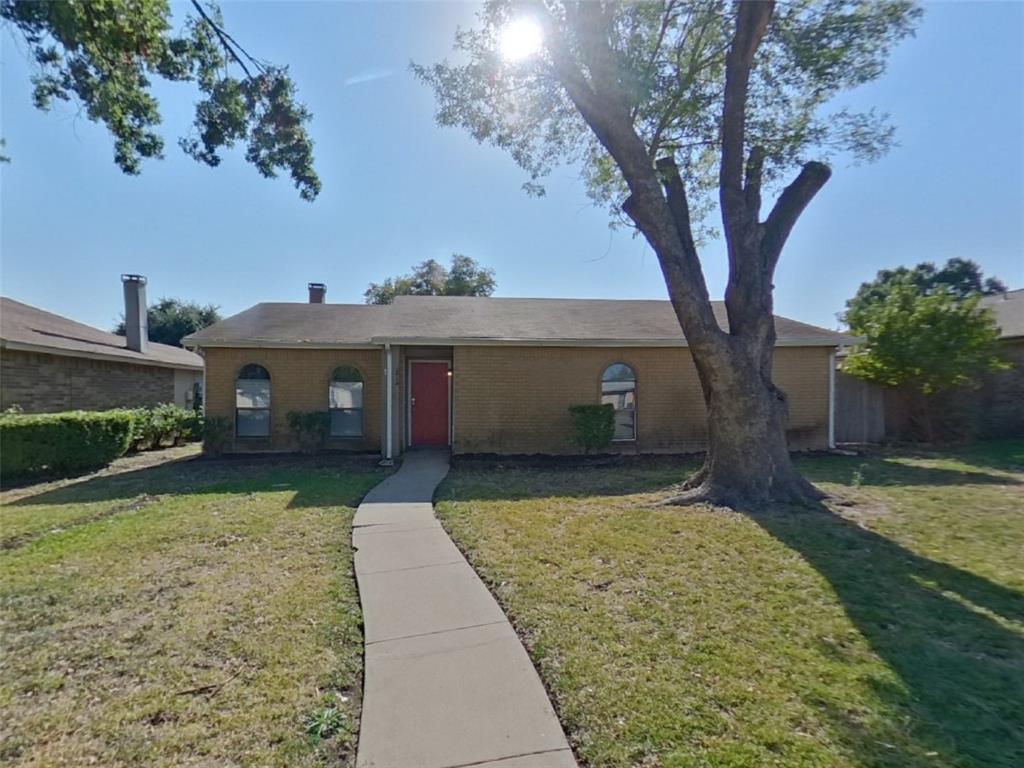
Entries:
{"x":618,"y":389}
{"x":252,"y":402}
{"x":346,"y":402}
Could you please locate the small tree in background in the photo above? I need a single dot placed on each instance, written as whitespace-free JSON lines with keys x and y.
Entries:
{"x":171,"y":320}
{"x":465,"y":277}
{"x":925,"y":334}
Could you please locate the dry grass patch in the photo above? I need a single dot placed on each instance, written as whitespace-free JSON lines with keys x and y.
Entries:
{"x":193,"y":614}
{"x":887,"y":633}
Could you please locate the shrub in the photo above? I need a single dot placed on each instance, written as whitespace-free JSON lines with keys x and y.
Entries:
{"x":143,"y":436}
{"x":310,"y":429}
{"x":216,"y":435}
{"x":193,"y":426}
{"x":62,"y":442}
{"x":155,"y":427}
{"x":593,"y":426}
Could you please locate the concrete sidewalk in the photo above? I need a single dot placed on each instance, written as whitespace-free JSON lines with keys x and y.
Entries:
{"x":448,"y":683}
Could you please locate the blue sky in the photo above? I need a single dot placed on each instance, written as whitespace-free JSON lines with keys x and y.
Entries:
{"x":398,"y":189}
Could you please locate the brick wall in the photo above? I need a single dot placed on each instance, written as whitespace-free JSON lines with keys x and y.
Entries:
{"x":299,"y":380}
{"x":516,"y":399}
{"x":1002,"y":395}
{"x":42,"y":383}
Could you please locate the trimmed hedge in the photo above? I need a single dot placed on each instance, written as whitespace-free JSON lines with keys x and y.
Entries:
{"x":62,"y":442}
{"x":31,"y":444}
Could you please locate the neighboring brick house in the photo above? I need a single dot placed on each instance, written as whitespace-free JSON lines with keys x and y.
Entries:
{"x":50,"y":363}
{"x":484,"y":375}
{"x":1001,"y":397}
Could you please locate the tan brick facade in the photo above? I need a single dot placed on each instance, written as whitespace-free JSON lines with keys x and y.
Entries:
{"x":43,"y":383}
{"x":516,"y":399}
{"x":299,"y":380}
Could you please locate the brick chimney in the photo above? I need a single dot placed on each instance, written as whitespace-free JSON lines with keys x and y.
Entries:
{"x":317,"y":293}
{"x":136,"y":327}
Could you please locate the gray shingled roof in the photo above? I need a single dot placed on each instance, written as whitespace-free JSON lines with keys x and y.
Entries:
{"x":463,"y":320}
{"x":1009,"y":311}
{"x":26,"y":327}
{"x":293,"y":324}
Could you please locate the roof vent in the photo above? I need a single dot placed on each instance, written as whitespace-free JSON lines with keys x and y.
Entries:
{"x":317,"y":293}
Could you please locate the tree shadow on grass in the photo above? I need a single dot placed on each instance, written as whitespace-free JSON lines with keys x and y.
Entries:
{"x":882,"y":470}
{"x":955,"y":640}
{"x":315,"y":480}
{"x":493,"y":479}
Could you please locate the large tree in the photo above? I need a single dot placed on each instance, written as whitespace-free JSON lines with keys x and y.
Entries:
{"x":665,"y":103}
{"x":465,"y":277}
{"x":102,"y":54}
{"x":171,"y":320}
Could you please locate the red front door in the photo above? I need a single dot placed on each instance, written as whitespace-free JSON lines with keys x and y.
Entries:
{"x":428,"y":403}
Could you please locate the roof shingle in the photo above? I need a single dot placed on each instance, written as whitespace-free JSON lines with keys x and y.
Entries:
{"x":466,"y":320}
{"x":1009,"y":311}
{"x":28,"y":326}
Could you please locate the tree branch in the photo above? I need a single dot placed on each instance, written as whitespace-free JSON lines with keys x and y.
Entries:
{"x":602,"y":106}
{"x":788,"y":207}
{"x":666,"y":20}
{"x":752,"y":183}
{"x":752,"y":19}
{"x":229,"y":43}
{"x":675,"y":191}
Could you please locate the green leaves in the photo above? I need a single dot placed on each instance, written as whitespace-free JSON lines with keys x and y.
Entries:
{"x":593,"y":426}
{"x":464,"y":278}
{"x":668,"y":71}
{"x":171,"y":320}
{"x":102,"y":54}
{"x":929,"y":339}
{"x":62,"y":442}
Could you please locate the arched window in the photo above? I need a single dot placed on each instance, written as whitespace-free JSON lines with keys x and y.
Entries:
{"x":618,"y":388}
{"x":346,"y":402}
{"x":252,"y":402}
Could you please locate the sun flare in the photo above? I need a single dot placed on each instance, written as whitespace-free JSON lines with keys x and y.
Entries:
{"x":520,"y":40}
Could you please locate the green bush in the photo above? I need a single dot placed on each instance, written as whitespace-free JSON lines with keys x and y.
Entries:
{"x":164,"y":425}
{"x":593,"y":426}
{"x":216,"y":433}
{"x":62,"y":442}
{"x":310,"y":429}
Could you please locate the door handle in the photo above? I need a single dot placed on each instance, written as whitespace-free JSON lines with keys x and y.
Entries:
{"x":412,"y":401}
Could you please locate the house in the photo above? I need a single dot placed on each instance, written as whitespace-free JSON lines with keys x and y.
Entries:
{"x":50,"y":363}
{"x":1001,"y":397}
{"x":484,"y":375}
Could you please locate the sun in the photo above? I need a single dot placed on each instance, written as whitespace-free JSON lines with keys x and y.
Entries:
{"x":520,"y":40}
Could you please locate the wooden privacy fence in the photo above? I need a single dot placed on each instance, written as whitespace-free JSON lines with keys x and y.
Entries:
{"x":860,"y":410}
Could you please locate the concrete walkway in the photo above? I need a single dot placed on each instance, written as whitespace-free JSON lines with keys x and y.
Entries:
{"x":448,"y":684}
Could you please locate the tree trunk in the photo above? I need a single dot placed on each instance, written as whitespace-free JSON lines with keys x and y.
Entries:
{"x":748,"y":462}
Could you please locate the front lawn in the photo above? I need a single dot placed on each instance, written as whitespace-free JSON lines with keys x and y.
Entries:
{"x":200,"y":613}
{"x":887,"y":630}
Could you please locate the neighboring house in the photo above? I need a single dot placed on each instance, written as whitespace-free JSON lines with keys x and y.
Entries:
{"x":50,"y":363}
{"x":484,"y":375}
{"x":1001,"y":398}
